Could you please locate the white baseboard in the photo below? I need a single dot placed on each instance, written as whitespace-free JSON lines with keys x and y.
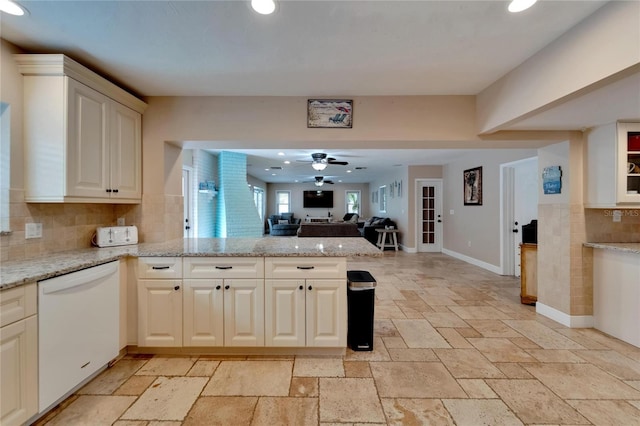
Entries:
{"x":573,"y":321}
{"x":484,"y":265}
{"x":408,"y":249}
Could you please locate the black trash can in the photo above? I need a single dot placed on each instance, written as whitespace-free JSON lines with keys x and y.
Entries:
{"x":361,"y":288}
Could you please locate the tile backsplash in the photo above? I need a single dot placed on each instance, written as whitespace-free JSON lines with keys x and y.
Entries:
{"x":64,"y":226}
{"x":601,"y":228}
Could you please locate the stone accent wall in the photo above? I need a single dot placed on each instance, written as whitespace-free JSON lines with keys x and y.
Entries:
{"x":554,"y":231}
{"x":237,"y":213}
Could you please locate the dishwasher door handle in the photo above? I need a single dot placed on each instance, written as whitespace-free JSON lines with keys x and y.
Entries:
{"x":79,"y":279}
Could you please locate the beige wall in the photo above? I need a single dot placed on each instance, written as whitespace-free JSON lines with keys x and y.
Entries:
{"x":479,"y":225}
{"x":603,"y":45}
{"x":339,"y":205}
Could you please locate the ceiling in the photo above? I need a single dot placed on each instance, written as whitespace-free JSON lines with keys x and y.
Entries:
{"x":307,"y":48}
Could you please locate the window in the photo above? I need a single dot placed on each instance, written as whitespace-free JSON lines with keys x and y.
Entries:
{"x":283,"y":202}
{"x":383,"y":199}
{"x":352,"y":201}
{"x":5,"y":144}
{"x":258,"y":199}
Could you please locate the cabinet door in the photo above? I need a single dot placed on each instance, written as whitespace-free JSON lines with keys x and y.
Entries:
{"x":159,"y":313}
{"x":628,"y":139}
{"x":284,"y":316}
{"x":125,"y":159}
{"x":326,"y":302}
{"x":203,"y":312}
{"x":87,"y":143}
{"x":243,"y":312}
{"x":18,"y":378}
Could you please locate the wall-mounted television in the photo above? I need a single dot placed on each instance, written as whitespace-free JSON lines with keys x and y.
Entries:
{"x":318,"y":199}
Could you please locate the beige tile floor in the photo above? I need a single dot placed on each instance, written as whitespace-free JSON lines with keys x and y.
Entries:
{"x":453,"y":346}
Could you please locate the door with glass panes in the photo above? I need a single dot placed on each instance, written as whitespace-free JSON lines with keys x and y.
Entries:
{"x":429,"y":215}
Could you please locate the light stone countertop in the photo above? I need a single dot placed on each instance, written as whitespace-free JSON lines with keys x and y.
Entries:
{"x":626,"y":247}
{"x":17,"y":273}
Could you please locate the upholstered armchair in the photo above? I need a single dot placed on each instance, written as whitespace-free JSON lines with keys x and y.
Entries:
{"x":283,"y":225}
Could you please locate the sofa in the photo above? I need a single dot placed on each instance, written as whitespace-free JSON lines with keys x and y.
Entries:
{"x":369,"y":226}
{"x":336,"y":229}
{"x":283,"y":224}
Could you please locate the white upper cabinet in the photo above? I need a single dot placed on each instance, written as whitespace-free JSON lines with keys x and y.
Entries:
{"x":82,"y":134}
{"x":612,"y":150}
{"x":629,"y":163}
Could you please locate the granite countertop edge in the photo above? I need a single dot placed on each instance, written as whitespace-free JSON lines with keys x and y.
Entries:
{"x":623,"y":247}
{"x":17,"y":273}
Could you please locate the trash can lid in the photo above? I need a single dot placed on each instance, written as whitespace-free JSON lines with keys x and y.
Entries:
{"x":360,"y":279}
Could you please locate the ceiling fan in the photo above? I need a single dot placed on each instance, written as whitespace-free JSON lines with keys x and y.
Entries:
{"x":320,"y":180}
{"x":320,"y":161}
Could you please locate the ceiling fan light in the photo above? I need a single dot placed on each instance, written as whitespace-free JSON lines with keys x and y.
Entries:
{"x":264,"y":7}
{"x":319,"y":165}
{"x":520,"y":5}
{"x":318,"y":183}
{"x":10,"y":7}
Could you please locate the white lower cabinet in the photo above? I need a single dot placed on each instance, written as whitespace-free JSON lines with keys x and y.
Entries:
{"x":160,"y":301}
{"x":223,"y":312}
{"x":223,"y":301}
{"x":305,"y":312}
{"x":18,"y":355}
{"x":159,"y":313}
{"x":226,"y":301}
{"x":305,"y":302}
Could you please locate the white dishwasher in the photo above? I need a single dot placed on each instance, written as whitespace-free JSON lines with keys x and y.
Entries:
{"x":78,"y":326}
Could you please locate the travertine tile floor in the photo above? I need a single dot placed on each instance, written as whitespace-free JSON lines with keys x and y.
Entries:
{"x":453,"y":346}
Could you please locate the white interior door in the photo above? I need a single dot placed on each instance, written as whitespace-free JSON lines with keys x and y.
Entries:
{"x":519,"y":207}
{"x":429,"y":215}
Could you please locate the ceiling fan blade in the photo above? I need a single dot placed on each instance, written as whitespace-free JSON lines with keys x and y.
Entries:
{"x":330,"y":182}
{"x":339,"y":163}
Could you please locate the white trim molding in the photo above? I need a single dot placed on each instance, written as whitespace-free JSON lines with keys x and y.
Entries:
{"x":484,"y":265}
{"x":572,"y":321}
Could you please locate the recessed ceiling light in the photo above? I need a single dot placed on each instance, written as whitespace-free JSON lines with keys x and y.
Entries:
{"x":348,"y":171}
{"x":281,"y":153}
{"x":10,"y":7}
{"x":263,"y":7}
{"x":287,"y":162}
{"x":520,"y":5}
{"x":266,"y":170}
{"x":273,"y":174}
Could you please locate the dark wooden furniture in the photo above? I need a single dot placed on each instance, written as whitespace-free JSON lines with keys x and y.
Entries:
{"x":528,"y":273}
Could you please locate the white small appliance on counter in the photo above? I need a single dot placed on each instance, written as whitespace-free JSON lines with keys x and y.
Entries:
{"x":116,"y":236}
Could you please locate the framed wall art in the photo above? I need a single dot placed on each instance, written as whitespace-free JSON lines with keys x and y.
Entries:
{"x":472,"y":184}
{"x":330,"y":113}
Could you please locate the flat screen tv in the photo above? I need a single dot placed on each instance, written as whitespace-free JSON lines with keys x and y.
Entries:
{"x":318,"y":199}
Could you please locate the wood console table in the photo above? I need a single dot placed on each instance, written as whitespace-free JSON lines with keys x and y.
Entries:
{"x":382,"y":238}
{"x":528,"y":273}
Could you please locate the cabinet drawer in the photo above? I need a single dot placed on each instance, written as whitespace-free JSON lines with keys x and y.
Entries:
{"x":223,"y":267}
{"x":306,"y":267}
{"x":18,"y":303}
{"x":160,"y":267}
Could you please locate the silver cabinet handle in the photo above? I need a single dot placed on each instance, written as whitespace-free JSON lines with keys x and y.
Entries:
{"x":305,"y":267}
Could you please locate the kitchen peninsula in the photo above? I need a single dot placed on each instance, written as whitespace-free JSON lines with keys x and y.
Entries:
{"x":616,"y":289}
{"x":15,"y":273}
{"x":238,"y":295}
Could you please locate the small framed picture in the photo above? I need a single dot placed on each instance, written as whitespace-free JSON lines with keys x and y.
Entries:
{"x":472,"y":185}
{"x":330,"y":113}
